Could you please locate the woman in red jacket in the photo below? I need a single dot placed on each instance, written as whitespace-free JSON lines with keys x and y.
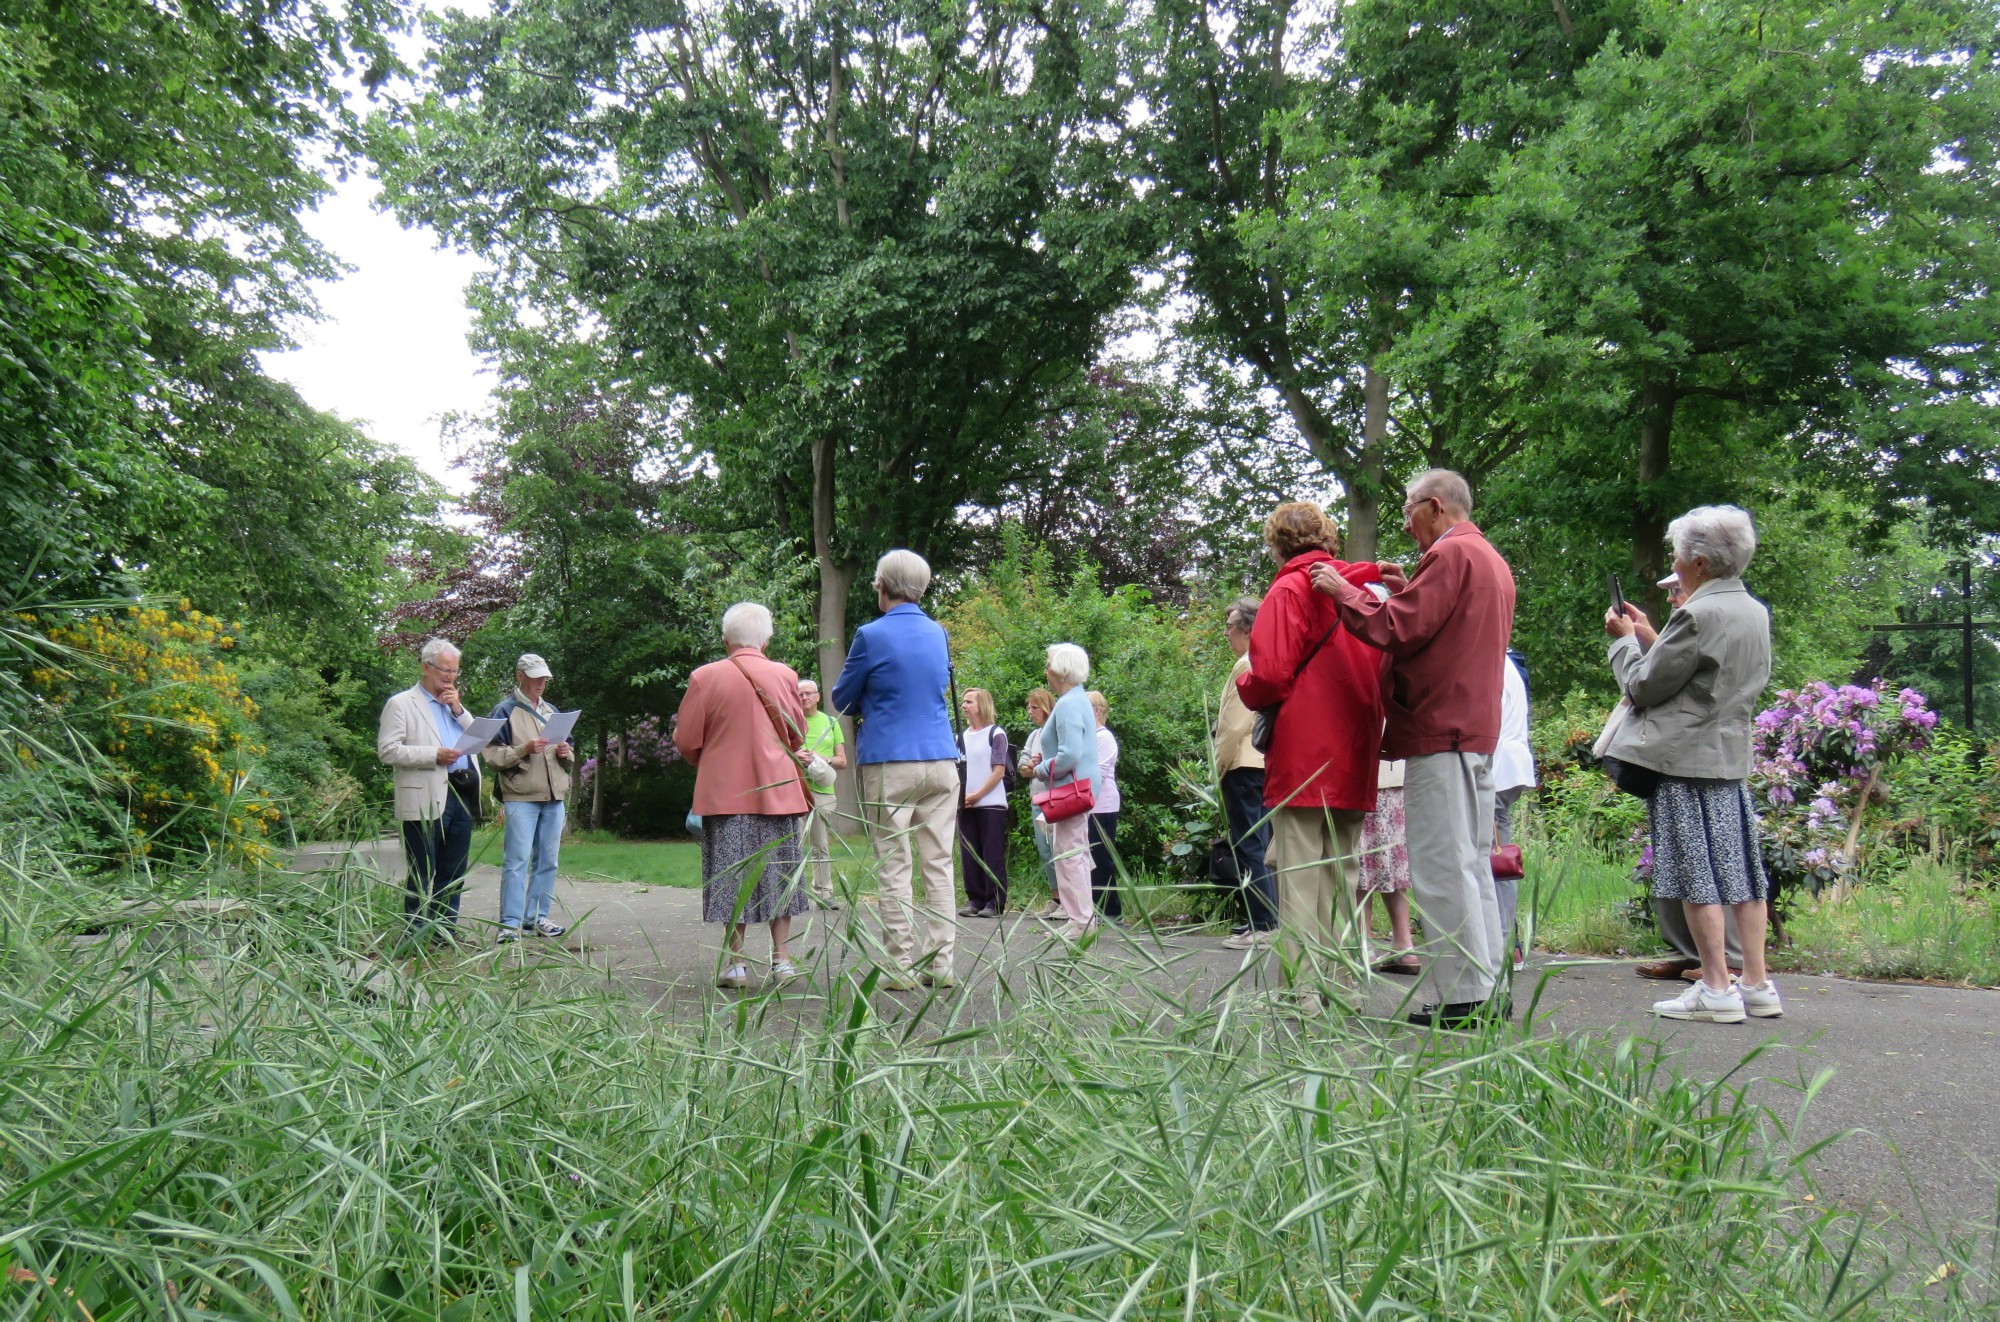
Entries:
{"x":1319,"y":773}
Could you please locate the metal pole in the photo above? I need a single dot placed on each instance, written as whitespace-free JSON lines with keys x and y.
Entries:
{"x":1965,"y":657}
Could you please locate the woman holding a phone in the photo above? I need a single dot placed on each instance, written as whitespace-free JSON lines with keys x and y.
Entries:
{"x":1693,"y":688}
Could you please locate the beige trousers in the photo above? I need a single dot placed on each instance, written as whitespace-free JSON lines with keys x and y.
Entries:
{"x":1312,"y":855}
{"x":912,"y":813}
{"x":819,"y":850}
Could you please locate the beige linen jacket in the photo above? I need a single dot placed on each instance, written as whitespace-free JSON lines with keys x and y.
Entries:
{"x":1233,"y":721}
{"x":1694,"y":692}
{"x":407,"y":740}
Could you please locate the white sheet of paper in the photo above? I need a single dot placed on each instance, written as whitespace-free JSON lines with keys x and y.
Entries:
{"x":557,"y":730}
{"x":478,"y":734}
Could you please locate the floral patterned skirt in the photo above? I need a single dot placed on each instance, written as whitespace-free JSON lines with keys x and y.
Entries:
{"x":768,"y":853}
{"x":1705,"y":842}
{"x":1385,"y":853}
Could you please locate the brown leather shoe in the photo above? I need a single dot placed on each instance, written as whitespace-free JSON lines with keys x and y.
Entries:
{"x":1691,"y":975}
{"x":1667,"y":970}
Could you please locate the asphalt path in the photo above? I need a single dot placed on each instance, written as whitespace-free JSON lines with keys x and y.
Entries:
{"x":1913,"y":1074}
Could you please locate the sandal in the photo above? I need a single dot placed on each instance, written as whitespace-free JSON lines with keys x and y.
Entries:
{"x":1406,"y":966}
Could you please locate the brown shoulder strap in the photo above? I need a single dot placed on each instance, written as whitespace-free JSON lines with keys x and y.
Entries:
{"x":778,"y":726}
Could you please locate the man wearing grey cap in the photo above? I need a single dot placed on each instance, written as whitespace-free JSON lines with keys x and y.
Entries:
{"x":534,"y":781}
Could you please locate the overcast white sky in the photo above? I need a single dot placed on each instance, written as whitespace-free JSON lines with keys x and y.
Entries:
{"x":391,"y":353}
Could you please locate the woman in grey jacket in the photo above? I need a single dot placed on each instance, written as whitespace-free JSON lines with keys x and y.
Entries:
{"x":1693,"y":689}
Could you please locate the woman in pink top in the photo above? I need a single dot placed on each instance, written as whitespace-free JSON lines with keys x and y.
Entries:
{"x":740,"y":727}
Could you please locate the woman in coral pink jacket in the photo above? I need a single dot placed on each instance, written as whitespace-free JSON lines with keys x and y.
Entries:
{"x":1319,"y":773}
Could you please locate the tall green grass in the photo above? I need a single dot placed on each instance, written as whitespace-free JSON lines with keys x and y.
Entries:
{"x":240,"y":1116}
{"x":1924,"y":921}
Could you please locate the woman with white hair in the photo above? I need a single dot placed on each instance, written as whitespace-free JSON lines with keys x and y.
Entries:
{"x":1070,"y":739}
{"x":893,"y":683}
{"x":740,"y":727}
{"x":1684,"y":742}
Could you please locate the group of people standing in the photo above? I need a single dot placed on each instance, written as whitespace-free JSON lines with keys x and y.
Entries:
{"x":1372,"y":740}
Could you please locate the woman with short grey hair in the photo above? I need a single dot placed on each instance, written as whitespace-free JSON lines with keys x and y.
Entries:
{"x":1684,"y":742}
{"x":740,"y":727}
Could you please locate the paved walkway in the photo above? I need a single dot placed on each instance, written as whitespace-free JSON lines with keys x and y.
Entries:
{"x":1915,"y":1070}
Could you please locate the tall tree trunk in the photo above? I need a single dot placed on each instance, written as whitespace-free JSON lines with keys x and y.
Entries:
{"x":1364,"y":487}
{"x":836,"y":578}
{"x":1649,"y":519}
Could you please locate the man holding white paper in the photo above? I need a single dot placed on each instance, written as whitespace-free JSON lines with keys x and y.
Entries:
{"x":532,"y":753}
{"x":437,"y":789}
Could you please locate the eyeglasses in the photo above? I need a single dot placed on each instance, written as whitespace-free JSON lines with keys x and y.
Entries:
{"x":442,"y":672}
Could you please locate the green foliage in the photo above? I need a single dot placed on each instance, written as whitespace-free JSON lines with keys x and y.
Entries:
{"x":1161,"y":672}
{"x":153,"y":166}
{"x":1947,"y":803}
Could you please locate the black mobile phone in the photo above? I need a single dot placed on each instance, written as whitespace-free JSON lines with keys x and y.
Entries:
{"x":1617,"y":597}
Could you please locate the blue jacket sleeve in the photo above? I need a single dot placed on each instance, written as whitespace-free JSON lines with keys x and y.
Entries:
{"x":853,"y":676}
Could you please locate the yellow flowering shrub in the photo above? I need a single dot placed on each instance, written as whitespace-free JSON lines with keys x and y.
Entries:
{"x":154,"y":690}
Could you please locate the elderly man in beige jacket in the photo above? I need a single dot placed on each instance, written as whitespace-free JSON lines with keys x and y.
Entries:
{"x":1242,"y":770}
{"x":437,"y":790}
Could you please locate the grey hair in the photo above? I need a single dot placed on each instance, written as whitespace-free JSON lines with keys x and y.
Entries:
{"x":807,"y":682}
{"x":436,"y":649}
{"x":746,"y":624}
{"x":902,"y":576}
{"x":1721,"y":535}
{"x":1242,"y":613}
{"x":1443,"y":485}
{"x":1069,"y":663}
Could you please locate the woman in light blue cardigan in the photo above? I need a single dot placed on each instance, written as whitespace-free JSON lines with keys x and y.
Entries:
{"x":1070,"y":739}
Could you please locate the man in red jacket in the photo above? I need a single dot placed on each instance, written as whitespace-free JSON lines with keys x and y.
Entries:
{"x":1446,"y":630}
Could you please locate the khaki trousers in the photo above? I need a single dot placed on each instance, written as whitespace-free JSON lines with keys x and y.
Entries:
{"x":819,"y":850}
{"x":1448,"y":803}
{"x":1312,"y":855}
{"x":912,"y":813}
{"x":1672,"y":918}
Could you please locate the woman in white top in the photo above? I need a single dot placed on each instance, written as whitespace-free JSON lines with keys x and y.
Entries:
{"x":1104,"y":817}
{"x":982,"y":813}
{"x":1513,"y":776}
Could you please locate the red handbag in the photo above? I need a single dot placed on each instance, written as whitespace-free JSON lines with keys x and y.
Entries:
{"x":1507,"y":863}
{"x":1059,"y":803}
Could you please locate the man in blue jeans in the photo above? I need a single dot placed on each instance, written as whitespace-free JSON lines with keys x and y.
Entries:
{"x":534,"y":782}
{"x":1242,"y":769}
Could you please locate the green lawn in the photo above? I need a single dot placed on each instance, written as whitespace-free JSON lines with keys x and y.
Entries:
{"x":601,"y":856}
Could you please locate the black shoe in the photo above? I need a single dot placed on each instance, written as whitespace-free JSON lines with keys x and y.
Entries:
{"x":1457,"y":1014}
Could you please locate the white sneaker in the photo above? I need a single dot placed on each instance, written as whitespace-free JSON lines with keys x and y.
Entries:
{"x":736,"y":975}
{"x":1074,"y":932}
{"x":1700,"y":1001}
{"x":784,"y":971}
{"x":1760,"y":1002}
{"x":1249,"y":940}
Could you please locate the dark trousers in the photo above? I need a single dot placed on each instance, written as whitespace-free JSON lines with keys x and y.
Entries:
{"x":1243,"y":806}
{"x":1103,"y":872}
{"x":437,"y":852}
{"x":982,"y":857}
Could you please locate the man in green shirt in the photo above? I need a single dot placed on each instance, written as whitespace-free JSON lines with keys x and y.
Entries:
{"x":823,"y":736}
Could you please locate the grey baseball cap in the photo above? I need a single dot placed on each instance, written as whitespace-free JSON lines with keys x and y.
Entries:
{"x":533,"y":666}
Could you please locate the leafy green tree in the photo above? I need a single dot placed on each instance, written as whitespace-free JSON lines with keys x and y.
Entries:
{"x":153,"y":166}
{"x":1755,"y":226}
{"x":857,"y":245}
{"x":1317,"y":177}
